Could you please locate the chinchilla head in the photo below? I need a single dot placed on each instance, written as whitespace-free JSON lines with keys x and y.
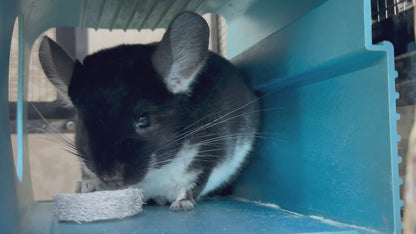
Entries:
{"x":130,"y":99}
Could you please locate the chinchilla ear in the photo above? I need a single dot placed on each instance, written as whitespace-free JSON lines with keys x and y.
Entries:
{"x":182,"y":52}
{"x":58,"y":67}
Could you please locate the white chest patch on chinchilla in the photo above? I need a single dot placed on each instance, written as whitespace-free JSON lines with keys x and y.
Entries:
{"x":173,"y":178}
{"x":224,"y":171}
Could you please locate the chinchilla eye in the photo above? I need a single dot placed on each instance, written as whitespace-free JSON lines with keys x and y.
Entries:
{"x":142,"y":122}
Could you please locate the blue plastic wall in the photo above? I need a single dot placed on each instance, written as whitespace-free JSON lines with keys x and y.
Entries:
{"x":329,"y":144}
{"x":8,"y":197}
{"x":34,"y":17}
{"x":332,"y":147}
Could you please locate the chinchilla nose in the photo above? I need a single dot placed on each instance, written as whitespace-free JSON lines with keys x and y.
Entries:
{"x":114,"y":178}
{"x":115,"y":181}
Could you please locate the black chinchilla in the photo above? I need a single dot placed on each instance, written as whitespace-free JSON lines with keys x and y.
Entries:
{"x":171,"y":117}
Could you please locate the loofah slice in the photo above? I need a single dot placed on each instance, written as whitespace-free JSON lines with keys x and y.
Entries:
{"x":100,"y":205}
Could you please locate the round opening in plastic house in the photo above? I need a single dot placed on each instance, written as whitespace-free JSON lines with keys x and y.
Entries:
{"x":13,"y":77}
{"x":219,"y":116}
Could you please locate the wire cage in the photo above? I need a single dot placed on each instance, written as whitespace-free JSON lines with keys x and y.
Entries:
{"x":393,"y":20}
{"x":384,"y":9}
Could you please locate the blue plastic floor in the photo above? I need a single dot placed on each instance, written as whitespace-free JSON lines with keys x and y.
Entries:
{"x":221,"y":215}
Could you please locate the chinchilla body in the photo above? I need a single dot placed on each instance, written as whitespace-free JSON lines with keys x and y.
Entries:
{"x":171,"y":118}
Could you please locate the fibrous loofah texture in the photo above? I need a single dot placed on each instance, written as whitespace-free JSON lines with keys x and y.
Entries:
{"x":101,"y":205}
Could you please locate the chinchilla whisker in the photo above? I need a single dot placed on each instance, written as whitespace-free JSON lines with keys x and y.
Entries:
{"x":211,"y":139}
{"x":203,"y":176}
{"x":218,"y":144}
{"x":220,"y":138}
{"x":207,"y":156}
{"x":218,"y":112}
{"x":210,"y":124}
{"x":166,"y":156}
{"x":69,"y":147}
{"x":272,"y":139}
{"x":256,"y":135}
{"x":44,"y":130}
{"x":61,"y":143}
{"x":213,"y":142}
{"x":58,"y":141}
{"x":198,"y":158}
{"x":213,"y":136}
{"x":241,"y":107}
{"x":49,"y":124}
{"x":183,"y":132}
{"x":209,"y":142}
{"x":76,"y":153}
{"x":200,"y":120}
{"x":201,"y":156}
{"x":66,"y":143}
{"x":211,"y":150}
{"x":170,"y":158}
{"x":183,"y":136}
{"x":215,"y":121}
{"x":48,"y":131}
{"x":162,"y":156}
{"x":230,"y":136}
{"x":270,"y":136}
{"x":66,"y":147}
{"x":160,"y":163}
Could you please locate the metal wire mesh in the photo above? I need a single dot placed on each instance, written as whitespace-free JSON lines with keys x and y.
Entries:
{"x":39,"y":88}
{"x":384,"y":9}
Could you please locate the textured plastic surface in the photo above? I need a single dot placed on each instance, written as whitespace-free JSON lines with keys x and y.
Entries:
{"x":217,"y":216}
{"x":333,"y":93}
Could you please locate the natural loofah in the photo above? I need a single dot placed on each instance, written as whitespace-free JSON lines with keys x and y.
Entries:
{"x":100,"y":205}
